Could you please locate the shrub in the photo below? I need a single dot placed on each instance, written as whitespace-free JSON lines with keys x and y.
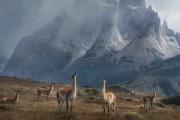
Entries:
{"x":87,"y":90}
{"x":3,"y":107}
{"x":159,"y":104}
{"x":128,"y":99}
{"x":175,"y":106}
{"x":132,"y":116}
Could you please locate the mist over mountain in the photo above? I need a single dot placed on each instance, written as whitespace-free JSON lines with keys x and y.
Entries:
{"x":20,"y":18}
{"x":57,"y":43}
{"x":104,"y":39}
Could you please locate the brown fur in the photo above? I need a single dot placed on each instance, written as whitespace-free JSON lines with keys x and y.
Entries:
{"x":149,"y":97}
{"x":133,"y":94}
{"x":45,"y":91}
{"x":13,"y":100}
{"x":64,"y":95}
{"x":107,"y":99}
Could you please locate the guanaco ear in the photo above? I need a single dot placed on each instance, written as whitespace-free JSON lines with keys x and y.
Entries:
{"x":74,"y":73}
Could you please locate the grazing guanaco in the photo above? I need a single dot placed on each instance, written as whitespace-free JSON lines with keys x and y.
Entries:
{"x":149,"y":97}
{"x":12,"y":100}
{"x":67,"y":94}
{"x":133,"y":94}
{"x":108,"y":98}
{"x":45,"y":91}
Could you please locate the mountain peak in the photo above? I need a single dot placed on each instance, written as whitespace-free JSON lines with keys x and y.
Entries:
{"x":150,"y":8}
{"x":165,"y":23}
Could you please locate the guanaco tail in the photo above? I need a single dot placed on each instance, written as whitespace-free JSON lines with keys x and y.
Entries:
{"x":149,"y":97}
{"x":67,"y":94}
{"x":45,"y":91}
{"x":108,"y":98}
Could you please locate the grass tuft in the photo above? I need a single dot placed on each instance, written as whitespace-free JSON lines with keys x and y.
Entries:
{"x":128,"y":99}
{"x":4,"y":107}
{"x":132,"y":116}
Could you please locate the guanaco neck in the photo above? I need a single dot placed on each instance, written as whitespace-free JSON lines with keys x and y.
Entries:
{"x":154,"y":95}
{"x":74,"y":88}
{"x":17,"y":97}
{"x":104,"y":90}
{"x":51,"y":88}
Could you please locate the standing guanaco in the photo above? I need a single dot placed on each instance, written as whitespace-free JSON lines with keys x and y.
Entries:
{"x":12,"y":100}
{"x":108,"y":98}
{"x":45,"y":91}
{"x":149,"y":97}
{"x":67,"y":94}
{"x":133,"y":94}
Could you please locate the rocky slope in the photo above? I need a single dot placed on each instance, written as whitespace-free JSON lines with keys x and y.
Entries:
{"x":164,"y":78}
{"x":173,"y":38}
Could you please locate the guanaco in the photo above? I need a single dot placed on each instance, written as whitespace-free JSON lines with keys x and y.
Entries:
{"x":108,"y":98}
{"x":67,"y":94}
{"x":12,"y":100}
{"x":45,"y":91}
{"x":149,"y":97}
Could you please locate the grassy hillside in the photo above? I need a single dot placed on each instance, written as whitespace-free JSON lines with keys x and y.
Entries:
{"x":87,"y":105}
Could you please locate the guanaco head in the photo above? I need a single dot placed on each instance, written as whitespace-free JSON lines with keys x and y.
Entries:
{"x":18,"y":91}
{"x":103,"y":82}
{"x":73,"y":77}
{"x":53,"y":83}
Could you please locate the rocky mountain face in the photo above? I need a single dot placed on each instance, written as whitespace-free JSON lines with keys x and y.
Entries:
{"x":143,"y":45}
{"x":177,"y":35}
{"x":164,"y":78}
{"x":173,"y":38}
{"x":103,"y":39}
{"x":148,"y":43}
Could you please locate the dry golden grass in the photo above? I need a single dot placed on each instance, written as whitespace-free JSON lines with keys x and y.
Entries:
{"x":87,"y":105}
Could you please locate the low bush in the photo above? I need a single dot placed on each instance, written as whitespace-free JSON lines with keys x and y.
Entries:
{"x":132,"y":116}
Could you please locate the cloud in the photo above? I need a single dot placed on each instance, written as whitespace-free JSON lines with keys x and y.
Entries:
{"x":20,"y":18}
{"x":169,"y":10}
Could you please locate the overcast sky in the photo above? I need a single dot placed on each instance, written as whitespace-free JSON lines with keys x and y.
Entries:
{"x":19,"y":18}
{"x":169,"y":10}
